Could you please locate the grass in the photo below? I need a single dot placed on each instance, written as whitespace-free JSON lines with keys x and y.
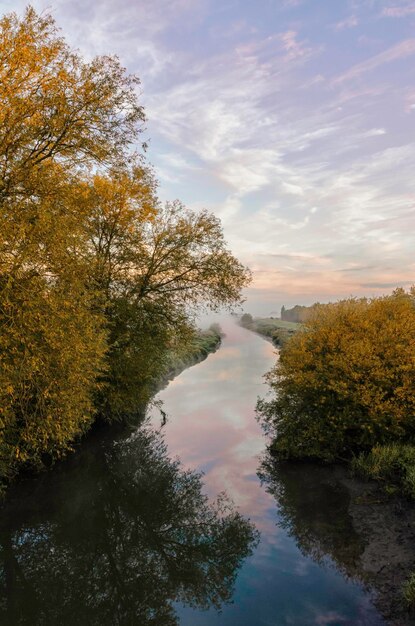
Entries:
{"x":408,"y":591}
{"x":205,"y":342}
{"x":267,"y":325}
{"x":274,"y":328}
{"x":393,"y":465}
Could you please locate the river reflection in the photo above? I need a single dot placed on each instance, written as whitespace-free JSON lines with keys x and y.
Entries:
{"x":120,"y":543}
{"x":122,"y":535}
{"x":313,"y":506}
{"x":212,"y":426}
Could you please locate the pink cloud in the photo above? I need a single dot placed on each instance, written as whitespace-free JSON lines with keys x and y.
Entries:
{"x":401,"y":50}
{"x":349,"y":22}
{"x":293,"y":48}
{"x":399,"y":11}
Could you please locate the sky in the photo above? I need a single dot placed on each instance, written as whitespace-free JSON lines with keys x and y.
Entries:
{"x":292,"y":120}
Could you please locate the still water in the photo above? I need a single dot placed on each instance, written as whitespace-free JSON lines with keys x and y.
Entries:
{"x":138,"y":531}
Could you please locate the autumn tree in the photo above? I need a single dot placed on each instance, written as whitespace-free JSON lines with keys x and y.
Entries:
{"x":345,"y":381}
{"x":56,"y":107}
{"x":58,"y":116}
{"x":156,"y":265}
{"x":247,"y":320}
{"x":98,"y":281}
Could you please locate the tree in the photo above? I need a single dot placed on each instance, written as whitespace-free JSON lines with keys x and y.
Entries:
{"x":156,"y":265}
{"x":52,"y":347}
{"x":98,"y":281}
{"x":247,"y":320}
{"x":345,"y":381}
{"x":56,"y":107}
{"x":58,"y":116}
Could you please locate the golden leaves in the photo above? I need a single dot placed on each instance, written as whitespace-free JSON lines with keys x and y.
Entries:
{"x":96,"y":278}
{"x":345,"y":381}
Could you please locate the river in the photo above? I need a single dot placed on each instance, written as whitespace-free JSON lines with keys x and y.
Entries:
{"x":125,"y":531}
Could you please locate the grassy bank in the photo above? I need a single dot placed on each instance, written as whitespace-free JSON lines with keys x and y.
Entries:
{"x":343,"y":392}
{"x":276,"y":330}
{"x":204,"y":343}
{"x":393,"y":466}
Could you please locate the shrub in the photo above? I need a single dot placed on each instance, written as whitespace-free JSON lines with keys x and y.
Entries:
{"x":344,"y":382}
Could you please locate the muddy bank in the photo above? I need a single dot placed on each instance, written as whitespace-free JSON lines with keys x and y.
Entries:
{"x":387,"y":526}
{"x":349,"y":524}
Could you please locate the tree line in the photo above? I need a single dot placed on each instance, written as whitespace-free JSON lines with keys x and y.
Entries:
{"x":297,"y":313}
{"x":98,"y":280}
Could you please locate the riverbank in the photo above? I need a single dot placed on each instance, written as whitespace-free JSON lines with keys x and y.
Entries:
{"x":270,"y":328}
{"x":204,"y":343}
{"x":381,"y":513}
{"x":58,"y":524}
{"x":386,"y":524}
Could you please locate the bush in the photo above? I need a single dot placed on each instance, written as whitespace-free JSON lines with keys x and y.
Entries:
{"x":344,"y":382}
{"x":246,"y":320}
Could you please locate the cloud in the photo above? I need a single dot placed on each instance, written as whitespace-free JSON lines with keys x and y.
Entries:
{"x":349,"y":22}
{"x":293,"y":3}
{"x":375,"y":132}
{"x":399,"y":51}
{"x":390,"y":285}
{"x":357,"y":268}
{"x":311,"y":177}
{"x":134,"y":31}
{"x":399,"y":11}
{"x":293,"y":48}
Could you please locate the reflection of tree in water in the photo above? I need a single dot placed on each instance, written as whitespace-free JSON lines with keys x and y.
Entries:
{"x":345,"y":522}
{"x":118,"y":547}
{"x":313,"y":508}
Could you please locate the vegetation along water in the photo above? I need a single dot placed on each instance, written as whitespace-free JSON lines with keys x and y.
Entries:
{"x":122,"y":532}
{"x":191,"y":516}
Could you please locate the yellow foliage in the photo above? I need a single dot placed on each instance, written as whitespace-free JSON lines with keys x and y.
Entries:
{"x":58,"y":115}
{"x":53,"y":105}
{"x":345,"y":382}
{"x":97,"y":280}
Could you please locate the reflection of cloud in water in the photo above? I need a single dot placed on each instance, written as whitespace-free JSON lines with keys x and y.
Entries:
{"x":266,"y":350}
{"x":218,"y":431}
{"x":122,"y":543}
{"x":212,"y":427}
{"x":226,"y":375}
{"x":330,"y":619}
{"x":246,"y":447}
{"x":228,"y":353}
{"x":221,"y":426}
{"x":302,"y":567}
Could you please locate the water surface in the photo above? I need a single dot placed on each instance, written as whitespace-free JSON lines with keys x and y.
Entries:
{"x":305,"y":568}
{"x":127,"y":532}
